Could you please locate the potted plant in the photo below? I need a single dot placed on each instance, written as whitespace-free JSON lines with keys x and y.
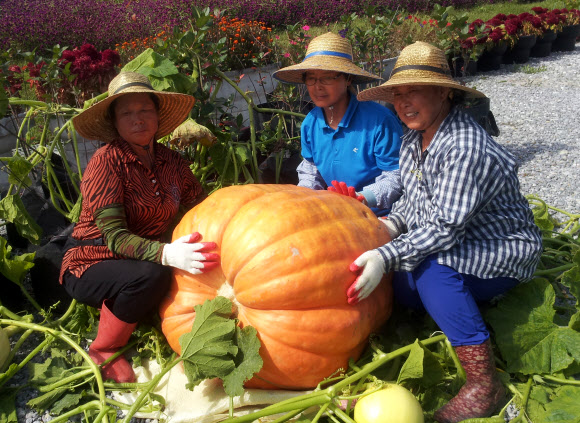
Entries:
{"x":551,"y":24}
{"x":527,"y":28}
{"x":566,"y":38}
{"x":497,"y":39}
{"x":461,"y":47}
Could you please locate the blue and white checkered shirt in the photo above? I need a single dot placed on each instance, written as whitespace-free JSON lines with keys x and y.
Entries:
{"x":461,"y":200}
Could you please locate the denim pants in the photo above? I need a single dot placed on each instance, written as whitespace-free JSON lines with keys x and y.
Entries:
{"x":450,"y":298}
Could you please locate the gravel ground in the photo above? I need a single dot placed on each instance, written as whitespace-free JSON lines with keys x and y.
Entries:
{"x":538,"y":114}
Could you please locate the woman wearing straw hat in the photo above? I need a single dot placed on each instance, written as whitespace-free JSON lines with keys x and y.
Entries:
{"x":463,"y":233}
{"x":342,"y":139}
{"x":132,"y":190}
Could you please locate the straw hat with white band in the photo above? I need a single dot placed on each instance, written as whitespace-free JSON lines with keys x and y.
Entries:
{"x":329,"y":52}
{"x":95,"y":123}
{"x":418,"y":64}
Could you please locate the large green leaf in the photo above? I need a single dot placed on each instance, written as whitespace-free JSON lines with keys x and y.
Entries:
{"x":162,"y":73}
{"x":525,"y":332}
{"x":248,"y":361}
{"x":421,"y":366}
{"x":564,"y":406}
{"x":44,"y":401}
{"x":12,"y":210}
{"x":8,"y":405}
{"x":217,"y":347}
{"x":18,"y":170}
{"x":208,"y":350}
{"x":14,"y":268}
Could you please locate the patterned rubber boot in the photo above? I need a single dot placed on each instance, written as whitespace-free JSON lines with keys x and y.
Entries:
{"x":483,"y":390}
{"x":113,"y":334}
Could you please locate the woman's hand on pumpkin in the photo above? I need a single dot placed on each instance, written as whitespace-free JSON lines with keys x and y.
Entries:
{"x":186,"y":254}
{"x":343,"y":189}
{"x":370,"y":268}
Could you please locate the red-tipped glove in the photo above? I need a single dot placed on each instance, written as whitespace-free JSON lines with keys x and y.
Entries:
{"x":370,"y":268}
{"x":342,"y":188}
{"x":186,"y":254}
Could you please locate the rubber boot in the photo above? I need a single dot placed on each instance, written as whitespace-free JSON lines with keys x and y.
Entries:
{"x":483,"y":390}
{"x":113,"y":334}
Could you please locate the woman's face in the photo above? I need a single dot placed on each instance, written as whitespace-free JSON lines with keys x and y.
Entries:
{"x":136,"y":118}
{"x":421,"y":107}
{"x":327,"y":95}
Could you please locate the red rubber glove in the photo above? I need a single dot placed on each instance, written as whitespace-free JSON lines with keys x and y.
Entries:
{"x":342,"y":188}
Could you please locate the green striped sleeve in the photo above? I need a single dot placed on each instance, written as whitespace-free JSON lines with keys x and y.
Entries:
{"x":112,"y":223}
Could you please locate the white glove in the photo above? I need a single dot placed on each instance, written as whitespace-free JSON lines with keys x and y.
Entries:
{"x":186,"y":254}
{"x":391,"y":228}
{"x":371,"y":267}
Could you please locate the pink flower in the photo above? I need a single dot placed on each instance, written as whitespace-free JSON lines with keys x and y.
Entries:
{"x":305,"y":27}
{"x":286,"y":54}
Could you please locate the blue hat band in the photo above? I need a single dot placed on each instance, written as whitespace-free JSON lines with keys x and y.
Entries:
{"x":329,"y":53}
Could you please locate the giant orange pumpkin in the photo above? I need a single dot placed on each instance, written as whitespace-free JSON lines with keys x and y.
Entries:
{"x":285,"y":253}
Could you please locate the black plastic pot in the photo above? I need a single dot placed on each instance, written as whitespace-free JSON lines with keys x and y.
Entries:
{"x":479,"y":109}
{"x":520,"y":52}
{"x":491,"y":59}
{"x":566,"y":39}
{"x":458,"y":68}
{"x":543,"y":46}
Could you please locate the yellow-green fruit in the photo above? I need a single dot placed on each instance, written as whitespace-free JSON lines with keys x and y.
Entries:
{"x":392,"y":404}
{"x":4,"y":347}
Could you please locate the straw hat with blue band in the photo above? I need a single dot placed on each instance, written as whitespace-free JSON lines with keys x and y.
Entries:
{"x":95,"y":124}
{"x":418,"y":64}
{"x":329,"y":52}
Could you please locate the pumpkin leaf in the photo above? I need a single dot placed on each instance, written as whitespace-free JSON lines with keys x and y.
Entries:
{"x":8,"y":405}
{"x":421,"y":367}
{"x":16,"y":267}
{"x":162,"y":73}
{"x":44,"y":401}
{"x":208,"y":350}
{"x":528,"y":338}
{"x":248,"y":361}
{"x":12,"y":209}
{"x":68,"y":401}
{"x":563,"y":407}
{"x":51,"y":371}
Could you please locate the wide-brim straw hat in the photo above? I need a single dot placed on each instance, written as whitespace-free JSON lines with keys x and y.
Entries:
{"x":95,"y":124}
{"x":328,"y":52}
{"x":418,"y":64}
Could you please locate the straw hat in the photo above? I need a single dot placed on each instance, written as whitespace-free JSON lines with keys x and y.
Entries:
{"x":418,"y":64}
{"x":329,"y":52}
{"x":94,"y":123}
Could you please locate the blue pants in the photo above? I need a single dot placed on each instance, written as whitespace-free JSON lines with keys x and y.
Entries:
{"x":450,"y":298}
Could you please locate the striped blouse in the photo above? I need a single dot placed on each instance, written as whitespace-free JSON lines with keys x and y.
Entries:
{"x":461,"y":200}
{"x":143,"y":203}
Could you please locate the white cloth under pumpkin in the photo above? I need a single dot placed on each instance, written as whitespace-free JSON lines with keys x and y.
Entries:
{"x":207,"y":403}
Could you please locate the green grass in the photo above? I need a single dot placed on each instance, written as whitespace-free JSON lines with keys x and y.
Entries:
{"x":530,"y":68}
{"x":487,"y":11}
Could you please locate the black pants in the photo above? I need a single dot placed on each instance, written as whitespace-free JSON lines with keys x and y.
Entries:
{"x":133,"y":288}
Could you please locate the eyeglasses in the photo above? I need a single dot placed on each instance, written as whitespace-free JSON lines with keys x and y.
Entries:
{"x":324,"y":80}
